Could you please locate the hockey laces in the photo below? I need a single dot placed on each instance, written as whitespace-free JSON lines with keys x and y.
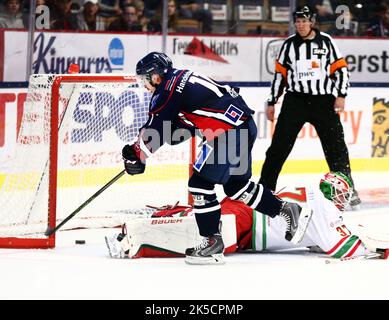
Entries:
{"x":287,"y":219}
{"x":203,"y":244}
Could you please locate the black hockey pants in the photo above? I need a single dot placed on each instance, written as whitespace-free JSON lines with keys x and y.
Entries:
{"x":297,"y":109}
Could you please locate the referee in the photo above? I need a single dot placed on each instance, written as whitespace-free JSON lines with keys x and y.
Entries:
{"x":312,"y":70}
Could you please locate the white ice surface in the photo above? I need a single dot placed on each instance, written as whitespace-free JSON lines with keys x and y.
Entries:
{"x":86,"y":272}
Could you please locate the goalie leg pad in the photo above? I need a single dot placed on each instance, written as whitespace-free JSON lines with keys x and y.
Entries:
{"x":169,"y":237}
{"x":375,"y":241}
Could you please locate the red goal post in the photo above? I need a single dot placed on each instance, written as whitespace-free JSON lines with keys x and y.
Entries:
{"x":69,"y":145}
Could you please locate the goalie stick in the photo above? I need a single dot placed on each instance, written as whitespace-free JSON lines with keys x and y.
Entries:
{"x":50,"y":231}
{"x":369,"y":256}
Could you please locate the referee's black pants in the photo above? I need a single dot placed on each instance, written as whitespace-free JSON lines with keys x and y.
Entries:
{"x":297,"y":109}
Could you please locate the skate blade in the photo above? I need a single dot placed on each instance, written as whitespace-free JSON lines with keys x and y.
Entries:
{"x":304,"y":219}
{"x":214,"y":259}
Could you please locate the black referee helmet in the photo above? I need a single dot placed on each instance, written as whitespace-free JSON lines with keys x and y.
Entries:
{"x":304,"y":12}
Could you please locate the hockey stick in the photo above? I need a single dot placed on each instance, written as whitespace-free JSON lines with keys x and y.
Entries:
{"x":50,"y":231}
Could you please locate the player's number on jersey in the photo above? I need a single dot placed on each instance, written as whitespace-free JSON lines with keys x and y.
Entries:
{"x":210,"y":84}
{"x":299,"y":195}
{"x":343,"y":231}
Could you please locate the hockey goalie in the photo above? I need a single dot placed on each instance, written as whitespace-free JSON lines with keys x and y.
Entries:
{"x":171,"y":229}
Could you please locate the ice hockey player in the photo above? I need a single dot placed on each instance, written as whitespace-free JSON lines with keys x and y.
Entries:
{"x":169,"y":230}
{"x":186,"y":100}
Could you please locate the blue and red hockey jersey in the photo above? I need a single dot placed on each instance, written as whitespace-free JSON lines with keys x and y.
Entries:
{"x":186,"y":99}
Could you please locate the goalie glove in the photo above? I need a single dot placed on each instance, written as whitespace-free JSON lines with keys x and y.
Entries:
{"x":132,"y":162}
{"x":171,"y":211}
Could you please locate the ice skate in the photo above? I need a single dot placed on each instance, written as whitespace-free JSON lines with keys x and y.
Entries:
{"x":355,"y":202}
{"x":210,"y":251}
{"x":297,"y":220}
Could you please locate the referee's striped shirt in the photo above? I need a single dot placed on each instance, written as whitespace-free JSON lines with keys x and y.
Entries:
{"x":314,"y":67}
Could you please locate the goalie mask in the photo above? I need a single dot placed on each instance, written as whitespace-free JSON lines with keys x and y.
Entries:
{"x":337,"y":188}
{"x":153,"y":63}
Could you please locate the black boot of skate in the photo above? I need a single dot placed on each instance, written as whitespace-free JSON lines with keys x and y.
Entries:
{"x":297,"y":220}
{"x":210,"y":251}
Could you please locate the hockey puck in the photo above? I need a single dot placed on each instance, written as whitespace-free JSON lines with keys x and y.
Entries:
{"x":80,"y":241}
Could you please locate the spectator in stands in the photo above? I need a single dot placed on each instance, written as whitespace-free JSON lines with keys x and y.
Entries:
{"x":156,"y":23}
{"x":191,"y":9}
{"x":110,"y":8}
{"x":152,"y":5}
{"x":142,"y":15}
{"x":381,"y":28}
{"x":140,"y":8}
{"x":127,"y":22}
{"x":324,"y":9}
{"x":125,"y":3}
{"x":62,"y":16}
{"x":366,"y":11}
{"x":172,"y":16}
{"x":88,"y":18}
{"x":40,"y":3}
{"x":75,"y":7}
{"x":12,"y":15}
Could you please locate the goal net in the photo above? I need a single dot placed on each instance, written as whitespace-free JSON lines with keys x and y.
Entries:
{"x":69,"y":146}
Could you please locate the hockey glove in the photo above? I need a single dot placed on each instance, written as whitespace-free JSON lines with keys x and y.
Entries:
{"x":132,"y":162}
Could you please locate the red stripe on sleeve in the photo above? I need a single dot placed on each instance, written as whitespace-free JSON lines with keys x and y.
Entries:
{"x":167,"y":84}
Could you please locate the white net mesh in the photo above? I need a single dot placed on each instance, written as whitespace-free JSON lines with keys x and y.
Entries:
{"x":96,"y":120}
